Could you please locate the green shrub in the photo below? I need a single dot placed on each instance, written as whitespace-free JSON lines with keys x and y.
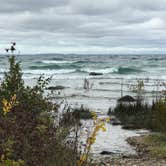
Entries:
{"x":27,"y":132}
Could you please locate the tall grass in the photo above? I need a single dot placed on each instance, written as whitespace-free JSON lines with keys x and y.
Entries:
{"x":142,"y":115}
{"x":135,"y":115}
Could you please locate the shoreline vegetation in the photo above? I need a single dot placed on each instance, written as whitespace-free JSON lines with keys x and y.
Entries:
{"x":34,"y":133}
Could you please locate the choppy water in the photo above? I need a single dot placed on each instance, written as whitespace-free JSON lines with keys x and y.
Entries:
{"x":78,"y":66}
{"x":71,"y":70}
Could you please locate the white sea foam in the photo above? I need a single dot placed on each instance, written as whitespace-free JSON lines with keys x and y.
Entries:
{"x":2,"y":70}
{"x":56,"y":62}
{"x":49,"y":72}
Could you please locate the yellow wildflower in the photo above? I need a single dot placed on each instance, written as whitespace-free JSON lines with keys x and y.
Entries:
{"x":108,"y":119}
{"x":103,"y":128}
{"x":8,"y":105}
{"x":98,"y":124}
{"x":82,"y":159}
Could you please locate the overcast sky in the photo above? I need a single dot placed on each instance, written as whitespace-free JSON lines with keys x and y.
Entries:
{"x":84,"y":26}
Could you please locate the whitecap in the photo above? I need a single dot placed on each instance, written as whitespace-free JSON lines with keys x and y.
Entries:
{"x":49,"y":72}
{"x":56,"y":62}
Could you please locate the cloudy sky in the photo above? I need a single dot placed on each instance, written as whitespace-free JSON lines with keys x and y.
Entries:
{"x":84,"y":26}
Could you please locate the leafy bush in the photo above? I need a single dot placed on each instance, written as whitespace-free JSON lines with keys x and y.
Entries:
{"x":27,"y":130}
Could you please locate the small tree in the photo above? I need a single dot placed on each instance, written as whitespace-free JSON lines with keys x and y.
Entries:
{"x":13,"y":82}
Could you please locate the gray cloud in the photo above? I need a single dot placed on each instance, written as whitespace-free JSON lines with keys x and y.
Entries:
{"x":83,"y":25}
{"x":29,"y":5}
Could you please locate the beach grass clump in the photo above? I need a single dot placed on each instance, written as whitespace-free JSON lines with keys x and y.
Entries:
{"x":160,"y":115}
{"x":134,"y":115}
{"x":27,"y":131}
{"x":141,"y":115}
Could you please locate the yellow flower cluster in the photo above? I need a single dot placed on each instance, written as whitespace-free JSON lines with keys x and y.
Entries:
{"x":8,"y":105}
{"x":99,"y":124}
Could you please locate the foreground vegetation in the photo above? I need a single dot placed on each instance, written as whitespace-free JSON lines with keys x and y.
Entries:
{"x":27,"y":131}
